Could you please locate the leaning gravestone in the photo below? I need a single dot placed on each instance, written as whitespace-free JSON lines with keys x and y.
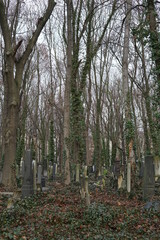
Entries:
{"x":148,"y":178}
{"x":27,"y":186}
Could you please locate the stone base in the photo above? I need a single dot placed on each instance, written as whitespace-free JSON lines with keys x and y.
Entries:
{"x":148,"y":193}
{"x":27,"y":191}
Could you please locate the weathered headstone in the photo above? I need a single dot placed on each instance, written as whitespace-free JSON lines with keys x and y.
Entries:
{"x":0,"y":176}
{"x":117,"y":167}
{"x":120,"y":180}
{"x":157,"y":167}
{"x":34,"y":167}
{"x":39,"y":186}
{"x":148,"y":178}
{"x":90,"y":169}
{"x":45,"y":167}
{"x":54,"y":171}
{"x":43,"y":182}
{"x":51,"y":172}
{"x":27,"y":187}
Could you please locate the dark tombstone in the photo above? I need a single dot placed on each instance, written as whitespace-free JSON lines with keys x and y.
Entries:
{"x":43,"y":182}
{"x":0,"y":176}
{"x":90,"y":169}
{"x":148,"y":178}
{"x":54,"y":171}
{"x":155,"y":205}
{"x":117,"y":167}
{"x":27,"y":186}
{"x":39,"y":177}
{"x":45,"y":173}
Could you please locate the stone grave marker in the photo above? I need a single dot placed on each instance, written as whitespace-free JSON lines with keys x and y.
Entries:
{"x":45,"y":167}
{"x":117,"y":167}
{"x":34,"y":168}
{"x":43,"y":182}
{"x":90,"y":169}
{"x":54,"y":171}
{"x":51,"y":172}
{"x":0,"y":176}
{"x":27,"y":186}
{"x":148,"y":178}
{"x":39,"y":177}
{"x":157,"y":167}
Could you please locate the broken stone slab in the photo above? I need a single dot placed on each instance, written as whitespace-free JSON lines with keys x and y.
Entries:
{"x":154,"y":205}
{"x":45,"y":189}
{"x":6,"y":193}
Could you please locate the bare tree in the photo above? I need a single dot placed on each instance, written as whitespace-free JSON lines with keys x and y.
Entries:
{"x":13,"y":72}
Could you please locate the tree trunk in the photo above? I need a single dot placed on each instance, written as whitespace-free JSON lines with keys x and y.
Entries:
{"x":12,"y":111}
{"x":67,"y":94}
{"x":125,"y":80}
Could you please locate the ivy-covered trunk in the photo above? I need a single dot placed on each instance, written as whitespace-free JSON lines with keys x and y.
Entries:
{"x":12,"y":105}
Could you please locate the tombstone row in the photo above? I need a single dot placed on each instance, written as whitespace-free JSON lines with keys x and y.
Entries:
{"x":32,"y":178}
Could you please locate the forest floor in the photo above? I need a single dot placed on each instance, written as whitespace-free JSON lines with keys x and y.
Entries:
{"x":60,"y":214}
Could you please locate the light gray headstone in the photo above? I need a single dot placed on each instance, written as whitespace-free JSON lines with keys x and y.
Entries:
{"x":27,"y":186}
{"x":34,"y":168}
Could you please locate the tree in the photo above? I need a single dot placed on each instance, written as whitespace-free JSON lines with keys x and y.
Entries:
{"x":67,"y":93}
{"x":128,"y":118}
{"x":13,"y":76}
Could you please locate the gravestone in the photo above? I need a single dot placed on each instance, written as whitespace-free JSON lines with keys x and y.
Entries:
{"x":39,"y":185}
{"x":54,"y":171}
{"x":34,"y":168}
{"x":39,"y":174}
{"x":51,"y":172}
{"x":43,"y":182}
{"x":117,"y":167}
{"x":157,"y":167}
{"x":148,"y":178}
{"x":90,"y":169}
{"x":0,"y":176}
{"x":45,"y":172}
{"x":27,"y":186}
